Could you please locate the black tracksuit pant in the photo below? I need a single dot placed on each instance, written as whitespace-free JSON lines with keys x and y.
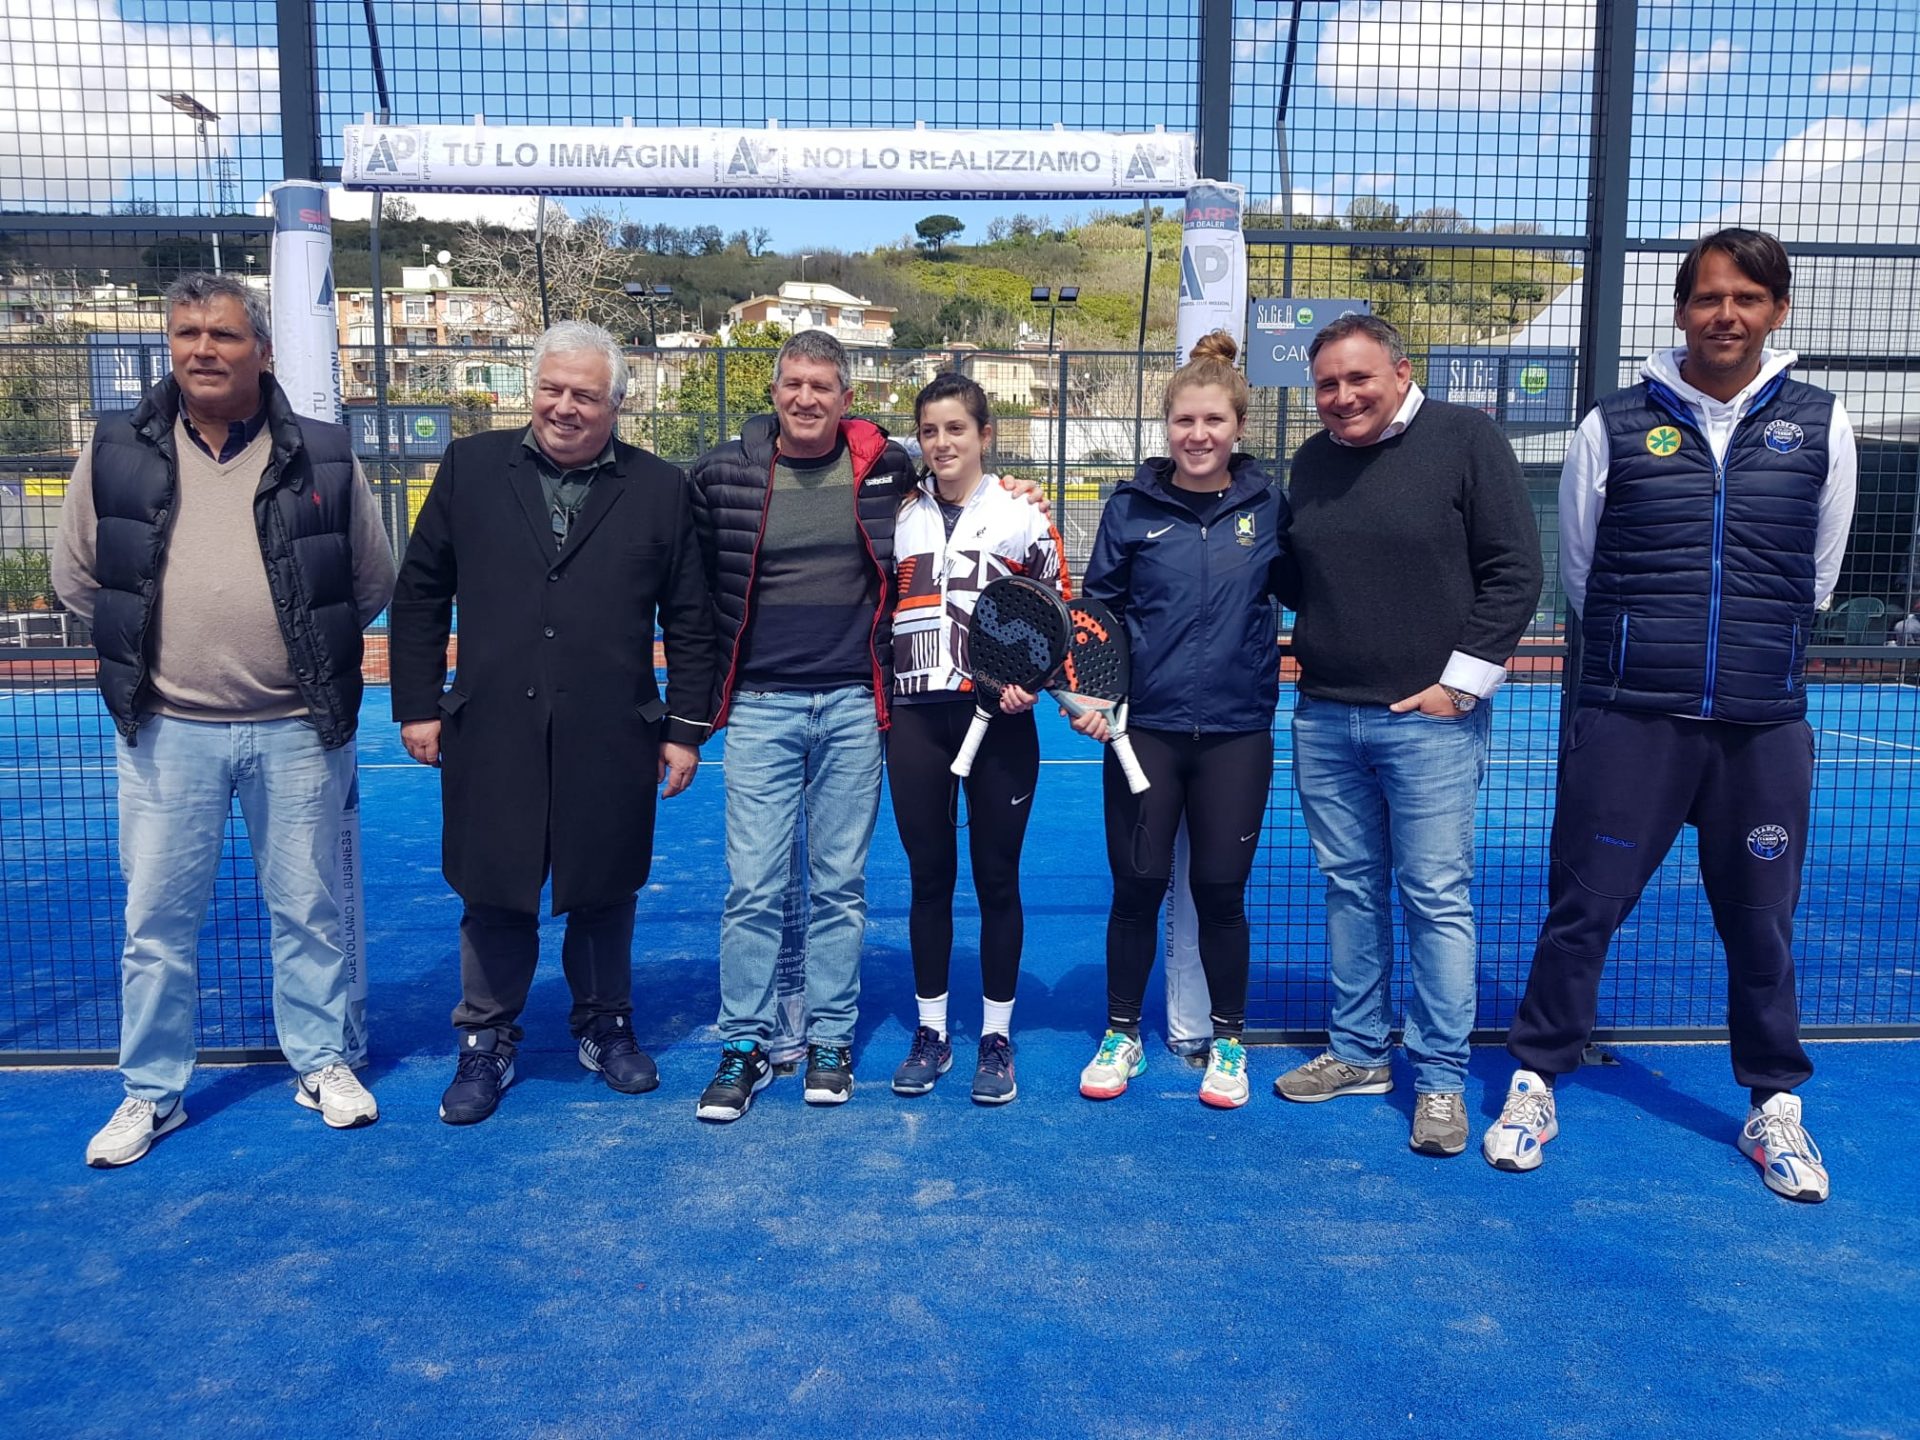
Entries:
{"x":1628,"y":781}
{"x":500,"y":949}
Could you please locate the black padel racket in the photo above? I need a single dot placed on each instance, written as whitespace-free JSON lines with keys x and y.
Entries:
{"x":1018,"y":636}
{"x":1095,"y":677}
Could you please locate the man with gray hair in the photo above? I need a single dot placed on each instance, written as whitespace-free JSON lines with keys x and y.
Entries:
{"x":562,"y":547}
{"x":227,"y":553}
{"x":796,"y":523}
{"x":1419,"y":569}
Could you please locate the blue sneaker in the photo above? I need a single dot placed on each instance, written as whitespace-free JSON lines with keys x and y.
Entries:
{"x":993,"y":1080}
{"x":929,"y":1059}
{"x":609,"y":1048}
{"x":483,"y":1074}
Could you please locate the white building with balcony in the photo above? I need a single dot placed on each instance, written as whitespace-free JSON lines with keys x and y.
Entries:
{"x":853,"y":320}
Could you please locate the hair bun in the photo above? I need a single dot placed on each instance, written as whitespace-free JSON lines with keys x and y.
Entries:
{"x":1216,"y":345}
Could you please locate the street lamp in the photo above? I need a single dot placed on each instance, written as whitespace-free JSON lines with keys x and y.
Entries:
{"x":652,"y":300}
{"x":1067,"y":295}
{"x":200,"y":115}
{"x":803,"y":268}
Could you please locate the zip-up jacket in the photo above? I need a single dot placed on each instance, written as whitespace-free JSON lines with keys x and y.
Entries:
{"x":1198,"y":600}
{"x":1702,"y":591}
{"x":302,"y":514}
{"x":732,"y":485}
{"x":940,"y":577}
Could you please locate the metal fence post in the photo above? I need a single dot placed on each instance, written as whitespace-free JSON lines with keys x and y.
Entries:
{"x":720,"y":391}
{"x":1060,"y":439}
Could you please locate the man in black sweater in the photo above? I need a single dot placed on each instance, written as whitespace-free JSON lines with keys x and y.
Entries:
{"x":1419,"y":568}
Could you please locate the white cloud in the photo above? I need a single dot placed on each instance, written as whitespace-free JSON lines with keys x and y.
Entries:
{"x":496,"y":18}
{"x":514,"y":210}
{"x":1686,"y":69}
{"x":1843,"y":81}
{"x":1836,"y":180}
{"x":80,"y":111}
{"x":1441,"y":55}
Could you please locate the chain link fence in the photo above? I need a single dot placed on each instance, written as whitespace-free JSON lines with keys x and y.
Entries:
{"x":1510,"y":184}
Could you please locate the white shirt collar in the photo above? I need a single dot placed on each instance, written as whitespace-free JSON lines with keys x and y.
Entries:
{"x":1402,"y":418}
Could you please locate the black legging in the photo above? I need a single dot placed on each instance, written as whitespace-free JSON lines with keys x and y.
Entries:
{"x":921,"y":745}
{"x":1219,"y":782}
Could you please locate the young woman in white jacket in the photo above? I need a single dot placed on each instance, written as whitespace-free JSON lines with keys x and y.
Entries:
{"x":959,"y":531}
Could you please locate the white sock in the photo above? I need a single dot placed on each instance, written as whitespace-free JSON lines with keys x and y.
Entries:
{"x":997,"y":1016}
{"x":933,"y":1013}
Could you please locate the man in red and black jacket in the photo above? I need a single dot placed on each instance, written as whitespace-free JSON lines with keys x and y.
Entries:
{"x":796,"y":520}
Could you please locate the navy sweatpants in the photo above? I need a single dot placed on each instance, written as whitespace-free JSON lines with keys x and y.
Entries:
{"x":1628,"y":782}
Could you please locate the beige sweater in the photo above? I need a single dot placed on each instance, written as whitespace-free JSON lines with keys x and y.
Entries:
{"x":216,"y":645}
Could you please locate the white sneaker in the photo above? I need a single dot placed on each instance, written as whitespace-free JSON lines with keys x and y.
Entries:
{"x":1119,"y":1058}
{"x":1225,"y":1087}
{"x":336,"y":1092}
{"x":1526,"y":1123}
{"x":132,"y":1131}
{"x":1789,"y":1161}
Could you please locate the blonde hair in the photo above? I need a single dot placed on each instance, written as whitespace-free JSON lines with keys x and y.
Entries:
{"x":1211,"y":363}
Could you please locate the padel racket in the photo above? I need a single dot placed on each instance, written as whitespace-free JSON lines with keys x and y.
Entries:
{"x":1095,"y":677}
{"x":1018,"y":636}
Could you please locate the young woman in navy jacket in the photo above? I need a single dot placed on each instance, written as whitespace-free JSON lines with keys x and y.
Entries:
{"x":1192,"y":555}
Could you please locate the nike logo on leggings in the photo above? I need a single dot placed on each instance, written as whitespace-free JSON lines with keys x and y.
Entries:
{"x":1022,"y":799}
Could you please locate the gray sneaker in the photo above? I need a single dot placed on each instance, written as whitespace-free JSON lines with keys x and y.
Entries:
{"x":1326,"y":1075}
{"x":1439,"y":1124}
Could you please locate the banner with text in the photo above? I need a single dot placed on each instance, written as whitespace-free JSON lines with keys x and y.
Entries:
{"x":1213,"y":267}
{"x":306,"y":349}
{"x":838,"y":164}
{"x":1283,"y":327}
{"x":306,"y":362}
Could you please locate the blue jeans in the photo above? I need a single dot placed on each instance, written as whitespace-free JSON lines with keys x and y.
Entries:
{"x":176,"y":788}
{"x":1389,"y":797}
{"x":791,"y":754}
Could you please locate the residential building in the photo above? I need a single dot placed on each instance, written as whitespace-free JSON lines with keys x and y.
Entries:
{"x":852,"y":319}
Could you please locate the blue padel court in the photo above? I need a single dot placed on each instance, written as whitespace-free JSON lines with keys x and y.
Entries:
{"x":587,"y":1263}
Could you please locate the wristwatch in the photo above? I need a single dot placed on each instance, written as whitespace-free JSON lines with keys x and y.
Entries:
{"x":1463,"y":700}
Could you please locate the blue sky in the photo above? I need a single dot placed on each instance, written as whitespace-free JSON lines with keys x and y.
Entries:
{"x":1479,"y":108}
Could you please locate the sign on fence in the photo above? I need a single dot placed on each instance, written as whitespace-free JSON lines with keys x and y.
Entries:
{"x":1515,"y":387}
{"x":1281,"y":328}
{"x":414,"y":432}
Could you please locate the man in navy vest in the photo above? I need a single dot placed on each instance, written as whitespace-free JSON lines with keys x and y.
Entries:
{"x":227,"y":553}
{"x":1703,"y":515}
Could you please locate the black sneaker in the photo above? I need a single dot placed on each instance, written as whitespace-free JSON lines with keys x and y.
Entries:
{"x":743,"y":1074}
{"x":608,"y":1047}
{"x":829,"y":1075}
{"x":484,"y":1071}
{"x":928,"y":1059}
{"x":993,"y":1080}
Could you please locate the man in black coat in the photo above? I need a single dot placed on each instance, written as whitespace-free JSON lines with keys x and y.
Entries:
{"x":561,"y":545}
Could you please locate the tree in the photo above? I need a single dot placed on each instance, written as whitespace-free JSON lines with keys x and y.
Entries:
{"x":759,"y":237}
{"x":698,"y":417}
{"x":42,"y":372}
{"x":936,"y":230}
{"x":584,"y":272}
{"x":1518,"y":293}
{"x":633,"y":236}
{"x":1439,"y":220}
{"x":997,"y":229}
{"x":397,"y":210}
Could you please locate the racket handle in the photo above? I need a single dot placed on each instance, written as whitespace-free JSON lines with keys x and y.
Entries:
{"x":969,"y":747}
{"x":1123,"y":752}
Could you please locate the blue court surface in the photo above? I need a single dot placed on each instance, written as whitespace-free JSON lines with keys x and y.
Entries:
{"x":587,"y":1263}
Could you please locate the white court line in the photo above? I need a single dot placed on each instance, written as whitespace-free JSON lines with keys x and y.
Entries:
{"x":1870,"y":740}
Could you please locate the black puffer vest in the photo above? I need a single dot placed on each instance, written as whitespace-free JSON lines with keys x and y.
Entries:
{"x":302,"y":512}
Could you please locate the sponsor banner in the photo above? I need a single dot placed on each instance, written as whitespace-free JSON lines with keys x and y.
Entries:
{"x":1282,"y":328}
{"x":414,"y":432}
{"x":1213,"y":268}
{"x":122,"y":365}
{"x":1515,"y":387}
{"x":306,"y":336}
{"x":843,"y":164}
{"x":306,"y":362}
